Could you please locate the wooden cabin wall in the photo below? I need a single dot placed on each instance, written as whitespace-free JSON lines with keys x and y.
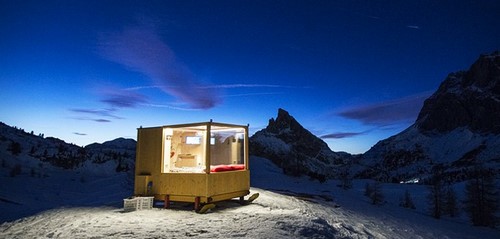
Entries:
{"x":148,"y":158}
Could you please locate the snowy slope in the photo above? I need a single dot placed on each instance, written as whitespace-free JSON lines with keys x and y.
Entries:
{"x":44,"y":173}
{"x":295,"y":149}
{"x":288,"y":207}
{"x":411,"y":154}
{"x":456,"y":129}
{"x":89,"y":185}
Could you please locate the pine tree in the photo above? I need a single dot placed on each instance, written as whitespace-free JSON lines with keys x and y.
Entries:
{"x":436,"y":192}
{"x":16,"y":170}
{"x":450,"y":206}
{"x":374,"y":192}
{"x":368,"y":190}
{"x":345,"y":178}
{"x":32,"y":151}
{"x":15,"y":148}
{"x":481,"y":202}
{"x":407,"y":201}
{"x":377,"y":195}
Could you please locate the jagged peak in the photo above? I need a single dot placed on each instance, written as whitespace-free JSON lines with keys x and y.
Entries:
{"x":466,"y":99}
{"x":492,"y":55}
{"x":457,"y":127}
{"x":484,"y":73}
{"x":294,"y":148}
{"x":284,"y":121}
{"x":283,"y":113}
{"x":290,"y":131}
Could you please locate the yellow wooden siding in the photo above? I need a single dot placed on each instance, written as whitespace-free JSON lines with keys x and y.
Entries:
{"x":184,"y":186}
{"x":149,"y":151}
{"x":187,"y":184}
{"x":148,"y":156}
{"x":226,"y":182}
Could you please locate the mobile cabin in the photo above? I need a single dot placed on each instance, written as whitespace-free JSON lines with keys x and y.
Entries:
{"x":197,"y":162}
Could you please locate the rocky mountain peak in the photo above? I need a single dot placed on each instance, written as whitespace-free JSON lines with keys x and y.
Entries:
{"x":284,"y":121}
{"x":458,"y":129}
{"x":292,"y":147}
{"x":288,"y":129}
{"x":466,"y":99}
{"x":485,"y":73}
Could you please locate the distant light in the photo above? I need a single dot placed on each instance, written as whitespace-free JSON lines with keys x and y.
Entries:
{"x":411,"y":181}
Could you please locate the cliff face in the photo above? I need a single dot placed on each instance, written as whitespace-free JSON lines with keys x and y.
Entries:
{"x":293,"y":148}
{"x":291,"y":132}
{"x":469,"y":99}
{"x":457,"y":128}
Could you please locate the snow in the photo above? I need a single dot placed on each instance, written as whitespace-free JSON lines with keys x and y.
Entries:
{"x":271,"y":142}
{"x":443,"y":148}
{"x":288,"y":207}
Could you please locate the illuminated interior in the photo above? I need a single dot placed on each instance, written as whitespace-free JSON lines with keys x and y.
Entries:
{"x":185,"y":149}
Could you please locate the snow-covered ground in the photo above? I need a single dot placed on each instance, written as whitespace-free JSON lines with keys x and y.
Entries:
{"x":287,"y":208}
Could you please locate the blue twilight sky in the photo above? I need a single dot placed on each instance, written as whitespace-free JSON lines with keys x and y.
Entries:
{"x":352,"y":72}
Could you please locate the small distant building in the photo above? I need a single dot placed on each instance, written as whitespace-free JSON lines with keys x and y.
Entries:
{"x":198,"y":162}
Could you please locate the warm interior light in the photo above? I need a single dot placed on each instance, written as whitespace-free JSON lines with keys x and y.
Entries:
{"x":193,"y":140}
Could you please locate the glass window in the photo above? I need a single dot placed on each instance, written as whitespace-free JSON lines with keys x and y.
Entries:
{"x":227,"y":149}
{"x":185,"y":149}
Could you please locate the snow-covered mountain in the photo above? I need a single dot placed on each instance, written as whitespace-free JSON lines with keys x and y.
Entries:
{"x":52,"y":189}
{"x":16,"y":143}
{"x":294,"y":149}
{"x":37,"y":173}
{"x":43,"y":197}
{"x":288,"y":207}
{"x":458,"y":128}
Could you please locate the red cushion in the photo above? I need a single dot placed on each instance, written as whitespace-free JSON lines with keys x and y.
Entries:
{"x":223,"y":168}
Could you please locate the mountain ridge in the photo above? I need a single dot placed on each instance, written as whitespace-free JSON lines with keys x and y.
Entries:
{"x":295,"y":149}
{"x":457,"y":129}
{"x":466,"y":99}
{"x":58,"y":153}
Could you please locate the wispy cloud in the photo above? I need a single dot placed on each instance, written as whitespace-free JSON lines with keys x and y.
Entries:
{"x":99,"y":120}
{"x":96,"y":115}
{"x":221,"y":86}
{"x":144,"y":87}
{"x":341,"y":135}
{"x":121,"y":98}
{"x":254,"y":94}
{"x":388,"y":112}
{"x":79,"y":134}
{"x":413,"y":27}
{"x":108,"y":113}
{"x":142,"y":49}
{"x":230,"y":86}
{"x":169,"y":106}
